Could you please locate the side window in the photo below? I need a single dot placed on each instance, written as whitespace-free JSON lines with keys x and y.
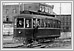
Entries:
{"x":59,"y":24}
{"x":34,"y":22}
{"x":45,"y":22}
{"x":20,"y":22}
{"x":51,"y":23}
{"x":48,"y":23}
{"x":54,"y":23}
{"x":28,"y":23}
{"x":42,"y":23}
{"x":38,"y":22}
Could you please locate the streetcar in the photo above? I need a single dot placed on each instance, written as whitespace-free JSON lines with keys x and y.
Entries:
{"x":24,"y":24}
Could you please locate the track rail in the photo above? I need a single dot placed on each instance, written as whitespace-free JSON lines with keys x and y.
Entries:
{"x":64,"y":42}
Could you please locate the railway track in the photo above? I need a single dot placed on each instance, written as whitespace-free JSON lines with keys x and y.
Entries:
{"x":47,"y":44}
{"x":55,"y":43}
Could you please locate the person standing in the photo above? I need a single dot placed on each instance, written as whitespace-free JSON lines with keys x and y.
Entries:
{"x":35,"y":30}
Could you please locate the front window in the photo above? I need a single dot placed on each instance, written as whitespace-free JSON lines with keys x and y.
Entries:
{"x":28,"y":23}
{"x":20,"y":22}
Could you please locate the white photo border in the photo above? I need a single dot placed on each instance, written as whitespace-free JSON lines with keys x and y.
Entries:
{"x":36,"y":2}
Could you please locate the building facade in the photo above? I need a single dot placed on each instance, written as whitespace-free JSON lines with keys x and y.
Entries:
{"x":11,"y":10}
{"x":65,"y":22}
{"x":37,"y":7}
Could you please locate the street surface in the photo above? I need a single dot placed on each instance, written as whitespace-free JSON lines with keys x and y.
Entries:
{"x":62,"y":42}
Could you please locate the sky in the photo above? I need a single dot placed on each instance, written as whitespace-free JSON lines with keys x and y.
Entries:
{"x":59,"y":8}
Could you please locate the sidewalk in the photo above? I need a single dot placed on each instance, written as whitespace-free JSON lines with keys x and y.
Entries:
{"x":9,"y":43}
{"x":15,"y":45}
{"x":65,"y":35}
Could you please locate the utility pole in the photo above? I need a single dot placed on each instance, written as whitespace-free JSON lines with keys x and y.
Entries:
{"x":19,"y":7}
{"x":60,"y":8}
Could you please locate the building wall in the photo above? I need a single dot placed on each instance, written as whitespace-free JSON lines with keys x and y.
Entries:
{"x":36,"y":7}
{"x":31,"y":6}
{"x":9,"y":11}
{"x":65,"y":22}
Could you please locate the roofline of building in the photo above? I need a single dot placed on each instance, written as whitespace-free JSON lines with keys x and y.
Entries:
{"x":47,"y":5}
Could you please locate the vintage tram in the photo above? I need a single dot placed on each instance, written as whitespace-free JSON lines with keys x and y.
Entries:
{"x":24,"y":24}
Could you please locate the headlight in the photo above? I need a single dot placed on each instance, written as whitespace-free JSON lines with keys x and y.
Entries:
{"x":20,"y":32}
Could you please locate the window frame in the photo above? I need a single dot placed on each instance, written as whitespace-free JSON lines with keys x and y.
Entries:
{"x":30,"y":22}
{"x":17,"y":22}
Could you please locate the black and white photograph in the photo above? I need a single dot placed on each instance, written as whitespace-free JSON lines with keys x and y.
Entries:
{"x":36,"y":25}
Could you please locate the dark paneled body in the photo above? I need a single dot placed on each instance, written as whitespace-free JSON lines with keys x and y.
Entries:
{"x":42,"y":33}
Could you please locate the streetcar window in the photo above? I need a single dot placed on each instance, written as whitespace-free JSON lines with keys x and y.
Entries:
{"x":34,"y":22}
{"x":38,"y":22}
{"x":20,"y":22}
{"x":48,"y":23}
{"x":59,"y":24}
{"x":27,"y":23}
{"x":45,"y":24}
{"x":53,"y":23}
{"x":42,"y":23}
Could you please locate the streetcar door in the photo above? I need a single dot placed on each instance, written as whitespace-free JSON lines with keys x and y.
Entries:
{"x":20,"y":22}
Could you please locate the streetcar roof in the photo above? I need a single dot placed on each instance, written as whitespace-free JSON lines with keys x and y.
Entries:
{"x":34,"y":16}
